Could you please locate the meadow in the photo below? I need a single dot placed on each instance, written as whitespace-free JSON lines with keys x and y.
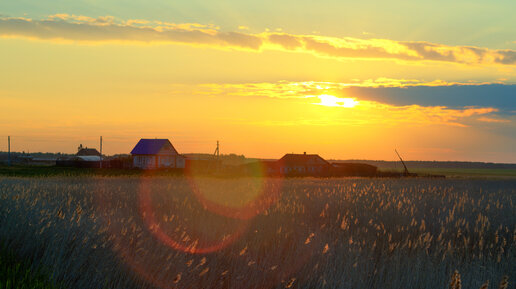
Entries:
{"x":201,"y":232}
{"x":469,"y":173}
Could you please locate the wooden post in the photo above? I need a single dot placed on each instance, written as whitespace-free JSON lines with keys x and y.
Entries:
{"x":9,"y":150}
{"x":100,"y":151}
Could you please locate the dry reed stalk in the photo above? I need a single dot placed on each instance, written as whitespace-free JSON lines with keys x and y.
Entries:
{"x":455,"y":282}
{"x":504,"y":284}
{"x":485,"y":285}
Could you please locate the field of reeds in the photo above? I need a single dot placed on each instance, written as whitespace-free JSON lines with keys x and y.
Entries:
{"x":176,"y":232}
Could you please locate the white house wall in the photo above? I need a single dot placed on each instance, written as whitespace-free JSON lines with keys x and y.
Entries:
{"x":144,"y":162}
{"x":158,"y":161}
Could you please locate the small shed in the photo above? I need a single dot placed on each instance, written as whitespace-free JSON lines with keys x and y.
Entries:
{"x":156,"y":154}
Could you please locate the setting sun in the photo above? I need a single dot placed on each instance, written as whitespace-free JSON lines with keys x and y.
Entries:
{"x":331,"y":100}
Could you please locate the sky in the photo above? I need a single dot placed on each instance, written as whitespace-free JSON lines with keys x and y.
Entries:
{"x":435,"y":80}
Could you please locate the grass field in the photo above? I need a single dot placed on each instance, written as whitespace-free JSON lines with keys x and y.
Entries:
{"x":52,"y":171}
{"x":173,"y":232}
{"x":49,"y":171}
{"x":464,"y":172}
{"x":16,"y":273}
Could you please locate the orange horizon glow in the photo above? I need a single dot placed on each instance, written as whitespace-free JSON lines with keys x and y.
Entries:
{"x":68,"y":78}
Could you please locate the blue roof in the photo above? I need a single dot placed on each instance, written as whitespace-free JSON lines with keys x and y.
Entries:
{"x":150,"y":146}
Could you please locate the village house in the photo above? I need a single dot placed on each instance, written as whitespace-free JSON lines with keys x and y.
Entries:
{"x":85,"y":151}
{"x":84,"y":158}
{"x":156,"y":154}
{"x":303,"y":164}
{"x":87,"y":154}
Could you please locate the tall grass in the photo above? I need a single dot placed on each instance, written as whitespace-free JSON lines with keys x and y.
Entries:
{"x":20,"y":274}
{"x":316,"y":233}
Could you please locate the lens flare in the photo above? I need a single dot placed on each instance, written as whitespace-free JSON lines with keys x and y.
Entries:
{"x":193,"y":244}
{"x":165,"y":228}
{"x":253,"y":192}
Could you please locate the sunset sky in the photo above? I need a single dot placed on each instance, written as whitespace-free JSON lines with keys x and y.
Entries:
{"x":344,"y":79}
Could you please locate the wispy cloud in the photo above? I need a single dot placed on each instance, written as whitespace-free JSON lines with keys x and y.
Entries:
{"x":391,"y":49}
{"x":369,"y":113}
{"x":394,"y":92}
{"x":354,"y":110}
{"x":493,"y":120}
{"x":287,"y":89}
{"x":422,"y":115}
{"x":84,"y":29}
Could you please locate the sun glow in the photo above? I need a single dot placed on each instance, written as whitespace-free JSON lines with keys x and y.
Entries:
{"x":331,"y":100}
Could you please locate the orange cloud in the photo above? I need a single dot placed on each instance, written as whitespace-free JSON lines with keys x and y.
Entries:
{"x":84,"y":29}
{"x":286,"y":89}
{"x":370,"y":113}
{"x":336,"y":109}
{"x":81,"y":29}
{"x":420,"y":115}
{"x":493,"y":120}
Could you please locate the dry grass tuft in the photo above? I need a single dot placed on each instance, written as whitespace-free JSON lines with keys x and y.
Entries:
{"x":455,"y":282}
{"x":504,"y":284}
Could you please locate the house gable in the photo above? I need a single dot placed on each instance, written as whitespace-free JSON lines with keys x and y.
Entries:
{"x":87,"y":152}
{"x":317,"y":160}
{"x":167,"y":149}
{"x":303,"y":159}
{"x":303,"y":164}
{"x":154,"y":147}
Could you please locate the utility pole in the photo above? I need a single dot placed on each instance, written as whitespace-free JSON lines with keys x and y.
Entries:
{"x":217,"y":160}
{"x":9,"y":150}
{"x":217,"y":151}
{"x":100,"y":151}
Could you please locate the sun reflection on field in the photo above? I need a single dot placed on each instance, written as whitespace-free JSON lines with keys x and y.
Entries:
{"x":204,"y":234}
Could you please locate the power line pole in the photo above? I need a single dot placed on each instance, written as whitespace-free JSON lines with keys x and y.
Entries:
{"x":217,"y":151}
{"x":217,"y":160}
{"x":9,"y":150}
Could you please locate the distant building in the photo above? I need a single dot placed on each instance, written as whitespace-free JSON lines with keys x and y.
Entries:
{"x":85,"y":154}
{"x":84,"y":151}
{"x":29,"y":160}
{"x":88,"y":158}
{"x":303,"y":165}
{"x":155,"y":154}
